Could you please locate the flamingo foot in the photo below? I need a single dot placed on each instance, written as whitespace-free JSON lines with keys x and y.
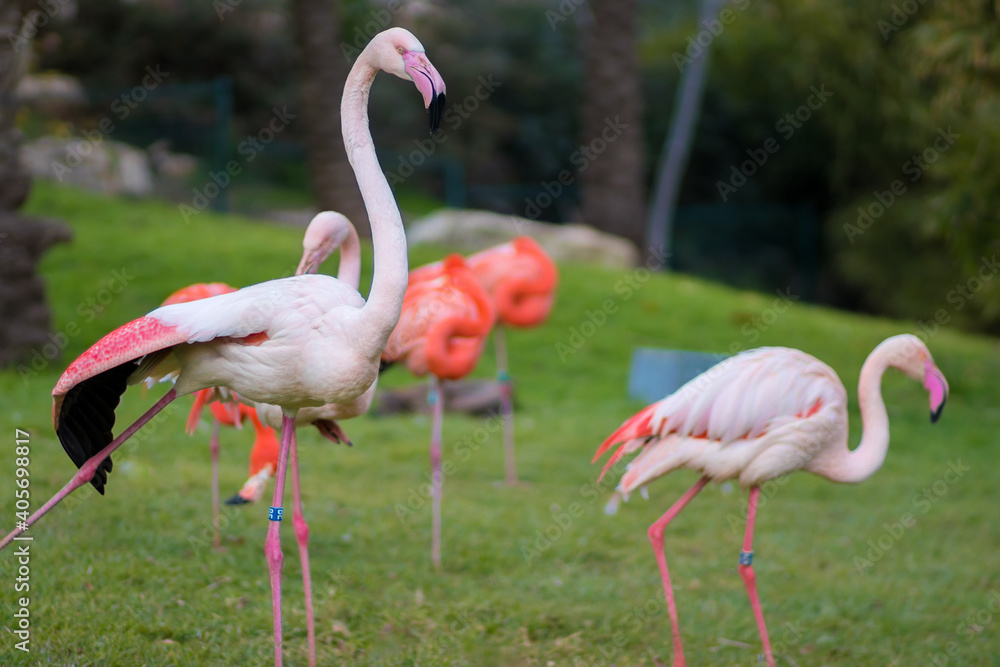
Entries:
{"x":331,"y":430}
{"x":89,"y":468}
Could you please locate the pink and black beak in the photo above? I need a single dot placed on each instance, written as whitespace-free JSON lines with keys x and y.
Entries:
{"x":429,"y":83}
{"x":937,"y":387}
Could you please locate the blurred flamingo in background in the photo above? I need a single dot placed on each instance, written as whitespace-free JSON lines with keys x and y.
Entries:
{"x":445,"y":320}
{"x":229,"y":413}
{"x":521,"y":280}
{"x":296,"y":342}
{"x":760,"y":415}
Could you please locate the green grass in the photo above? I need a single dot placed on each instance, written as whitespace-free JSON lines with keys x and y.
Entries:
{"x":127,"y":579}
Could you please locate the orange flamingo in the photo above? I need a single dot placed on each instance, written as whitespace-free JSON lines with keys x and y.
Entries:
{"x":445,"y":320}
{"x":520,"y":279}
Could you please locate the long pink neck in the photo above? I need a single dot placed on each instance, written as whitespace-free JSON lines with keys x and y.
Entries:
{"x":385,"y":300}
{"x":349,"y":270}
{"x":864,"y":460}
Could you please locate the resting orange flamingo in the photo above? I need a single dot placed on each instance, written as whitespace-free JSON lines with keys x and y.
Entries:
{"x":297,"y":342}
{"x":445,"y":321}
{"x":521,"y":280}
{"x":759,"y":415}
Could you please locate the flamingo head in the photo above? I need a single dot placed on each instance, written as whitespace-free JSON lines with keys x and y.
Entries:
{"x":253,"y":489}
{"x":326,"y":232}
{"x":915,"y":360}
{"x":400,"y":53}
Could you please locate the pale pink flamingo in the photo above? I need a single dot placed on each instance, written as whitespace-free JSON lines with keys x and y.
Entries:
{"x":760,"y":415}
{"x":297,"y":342}
{"x":445,"y":321}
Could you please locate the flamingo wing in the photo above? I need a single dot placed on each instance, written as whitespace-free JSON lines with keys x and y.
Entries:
{"x":88,"y":392}
{"x":750,"y":416}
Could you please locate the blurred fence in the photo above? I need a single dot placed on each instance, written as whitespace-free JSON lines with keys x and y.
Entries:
{"x":194,"y":118}
{"x":752,"y":246}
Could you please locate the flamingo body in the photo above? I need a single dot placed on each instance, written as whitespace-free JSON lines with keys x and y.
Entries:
{"x":758,"y":415}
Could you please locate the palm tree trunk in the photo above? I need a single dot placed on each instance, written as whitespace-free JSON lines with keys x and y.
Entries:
{"x":613,"y":181}
{"x":324,"y":71}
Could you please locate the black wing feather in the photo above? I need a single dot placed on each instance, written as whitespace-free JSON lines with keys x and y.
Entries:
{"x":88,"y":415}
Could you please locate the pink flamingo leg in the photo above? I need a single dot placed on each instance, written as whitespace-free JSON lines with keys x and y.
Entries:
{"x":87,"y":470}
{"x":506,"y":395}
{"x":656,"y":539}
{"x":214,"y":448}
{"x":302,"y":537}
{"x":272,"y":546}
{"x":434,"y":398}
{"x":748,"y":576}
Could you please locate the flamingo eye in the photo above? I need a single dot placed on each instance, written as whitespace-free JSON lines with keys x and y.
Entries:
{"x":401,"y":50}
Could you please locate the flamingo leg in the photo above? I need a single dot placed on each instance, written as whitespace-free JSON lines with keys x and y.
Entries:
{"x":302,"y":537}
{"x":272,"y":545}
{"x":214,"y":447}
{"x":656,"y":539}
{"x":434,"y":398}
{"x":506,"y":397}
{"x":748,"y":576}
{"x":87,"y":470}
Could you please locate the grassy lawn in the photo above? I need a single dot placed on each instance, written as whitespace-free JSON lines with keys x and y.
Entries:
{"x":533,"y":575}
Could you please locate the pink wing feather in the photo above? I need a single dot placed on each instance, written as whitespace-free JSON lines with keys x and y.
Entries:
{"x":741,"y":398}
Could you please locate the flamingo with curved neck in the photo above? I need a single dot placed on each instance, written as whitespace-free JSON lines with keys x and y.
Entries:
{"x":760,"y":415}
{"x":296,"y":342}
